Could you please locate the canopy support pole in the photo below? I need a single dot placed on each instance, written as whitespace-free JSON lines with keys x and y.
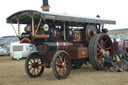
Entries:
{"x":38,"y":26}
{"x":33,"y":33}
{"x":18,"y":27}
{"x":14,"y":30}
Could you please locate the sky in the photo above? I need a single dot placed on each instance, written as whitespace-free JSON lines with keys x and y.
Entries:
{"x":107,"y":9}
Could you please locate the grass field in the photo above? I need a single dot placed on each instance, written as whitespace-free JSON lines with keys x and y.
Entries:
{"x":12,"y":72}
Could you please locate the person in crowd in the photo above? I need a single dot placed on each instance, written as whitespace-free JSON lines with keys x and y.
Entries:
{"x":126,"y":57}
{"x":116,"y":47}
{"x":108,"y":62}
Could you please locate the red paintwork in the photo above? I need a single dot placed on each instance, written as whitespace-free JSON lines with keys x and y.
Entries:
{"x":25,"y":40}
{"x":43,"y":36}
{"x":44,"y":48}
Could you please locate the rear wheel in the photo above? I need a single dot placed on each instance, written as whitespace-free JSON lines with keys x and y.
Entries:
{"x":98,"y":45}
{"x":33,"y":65}
{"x":61,"y":65}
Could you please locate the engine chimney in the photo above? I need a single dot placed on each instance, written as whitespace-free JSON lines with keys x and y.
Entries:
{"x":45,"y":6}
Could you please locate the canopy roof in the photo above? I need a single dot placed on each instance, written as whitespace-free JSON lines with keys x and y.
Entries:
{"x":25,"y":17}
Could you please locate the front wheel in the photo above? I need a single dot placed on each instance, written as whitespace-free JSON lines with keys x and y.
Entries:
{"x":33,"y":65}
{"x":61,"y":64}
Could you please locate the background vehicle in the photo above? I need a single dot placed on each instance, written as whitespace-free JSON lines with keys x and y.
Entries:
{"x":125,"y":43}
{"x":4,"y":51}
{"x":18,"y":51}
{"x":63,"y":41}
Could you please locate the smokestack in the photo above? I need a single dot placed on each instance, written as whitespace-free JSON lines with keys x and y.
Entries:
{"x":45,"y":6}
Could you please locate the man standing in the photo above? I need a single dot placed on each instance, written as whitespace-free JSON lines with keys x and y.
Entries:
{"x":116,"y":48}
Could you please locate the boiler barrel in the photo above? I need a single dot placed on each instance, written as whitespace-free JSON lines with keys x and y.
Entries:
{"x":59,"y":45}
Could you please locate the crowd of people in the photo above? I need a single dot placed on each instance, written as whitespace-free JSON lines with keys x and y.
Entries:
{"x":119,"y":57}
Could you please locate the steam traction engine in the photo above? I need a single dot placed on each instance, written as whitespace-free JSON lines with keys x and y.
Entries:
{"x":63,"y":41}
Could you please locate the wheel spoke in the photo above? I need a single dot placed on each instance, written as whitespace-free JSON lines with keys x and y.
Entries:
{"x":108,"y":48}
{"x":63,"y":71}
{"x":33,"y":71}
{"x":30,"y":61}
{"x":100,"y":56}
{"x":57,"y":67}
{"x":99,"y":45}
{"x":30,"y":65}
{"x":60,"y":58}
{"x":106,"y":41}
{"x":98,"y":53}
{"x":30,"y":68}
{"x":98,"y":49}
{"x":33,"y":60}
{"x":59,"y":71}
{"x":102,"y":46}
{"x":37,"y":60}
{"x":38,"y":71}
{"x":66,"y":61}
{"x":39,"y":68}
{"x":58,"y":64}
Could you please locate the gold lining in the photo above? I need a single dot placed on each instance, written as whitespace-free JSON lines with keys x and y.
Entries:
{"x":64,"y":32}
